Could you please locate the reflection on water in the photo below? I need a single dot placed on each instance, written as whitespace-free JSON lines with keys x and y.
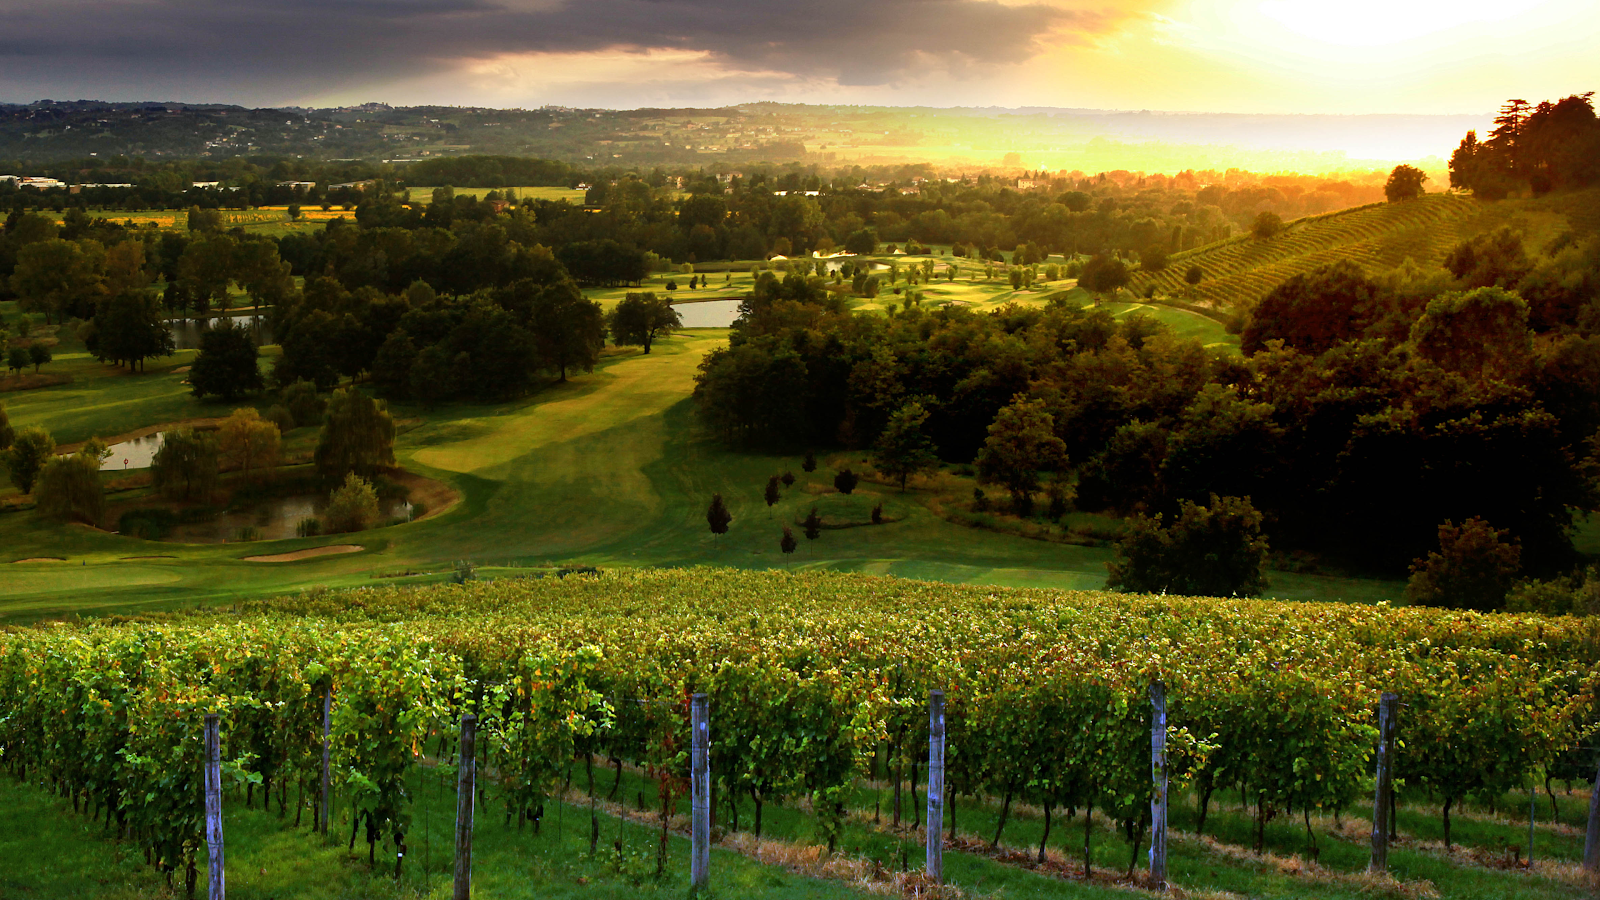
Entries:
{"x":272,"y":520}
{"x":134,"y":454}
{"x":708,"y":313}
{"x":186,"y":332}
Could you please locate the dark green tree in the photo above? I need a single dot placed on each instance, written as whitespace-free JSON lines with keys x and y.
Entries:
{"x":642,"y":317}
{"x":357,"y":436}
{"x":771,"y":494}
{"x":18,"y":359}
{"x":29,"y":451}
{"x":787,"y":543}
{"x":1474,"y":567}
{"x":185,"y":468}
{"x":717,"y":515}
{"x":903,"y":450}
{"x":845,"y":481}
{"x":809,"y":464}
{"x":788,"y":477}
{"x":1103,"y":275}
{"x":568,"y":328}
{"x":1207,"y":551}
{"x":1021,"y":443}
{"x":1405,"y":183}
{"x":9,"y":434}
{"x":812,"y":525}
{"x":227,"y":364}
{"x":38,"y":354}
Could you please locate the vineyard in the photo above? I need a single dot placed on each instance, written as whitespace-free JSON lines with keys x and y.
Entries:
{"x":815,"y":683}
{"x":1241,"y":270}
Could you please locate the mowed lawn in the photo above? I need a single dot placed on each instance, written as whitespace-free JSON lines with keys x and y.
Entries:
{"x":609,"y":468}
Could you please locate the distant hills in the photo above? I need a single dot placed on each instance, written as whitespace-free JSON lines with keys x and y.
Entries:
{"x":728,"y":137}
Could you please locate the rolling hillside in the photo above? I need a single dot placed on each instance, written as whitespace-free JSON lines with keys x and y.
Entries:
{"x":1241,"y":270}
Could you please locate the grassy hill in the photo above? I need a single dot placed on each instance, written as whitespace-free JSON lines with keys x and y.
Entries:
{"x":1241,"y":270}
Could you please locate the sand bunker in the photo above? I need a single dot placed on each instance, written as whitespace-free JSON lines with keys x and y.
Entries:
{"x":38,"y":559}
{"x":308,"y":553}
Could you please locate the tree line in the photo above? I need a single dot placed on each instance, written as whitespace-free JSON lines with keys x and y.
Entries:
{"x":1367,"y":410}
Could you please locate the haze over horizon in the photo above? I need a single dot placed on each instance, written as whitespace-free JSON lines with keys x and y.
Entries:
{"x":1457,"y":58}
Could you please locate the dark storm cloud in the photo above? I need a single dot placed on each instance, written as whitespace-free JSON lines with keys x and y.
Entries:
{"x":257,"y":49}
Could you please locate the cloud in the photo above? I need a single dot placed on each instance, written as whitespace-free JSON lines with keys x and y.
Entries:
{"x":275,"y":51}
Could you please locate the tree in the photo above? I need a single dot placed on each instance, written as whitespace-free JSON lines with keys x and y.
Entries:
{"x":357,"y":436}
{"x":1405,"y":183}
{"x":18,"y":359}
{"x":717,"y":515}
{"x":38,"y":354}
{"x":812,"y":525}
{"x":861,"y":242}
{"x":641,"y":318}
{"x":809,"y":464}
{"x":69,"y":486}
{"x":249,"y":442}
{"x":1313,"y":311}
{"x":7,"y":433}
{"x":1194,"y":275}
{"x":129,"y":328}
{"x":1103,"y":275}
{"x":353,"y":506}
{"x":787,"y":543}
{"x":771,"y":494}
{"x":902,"y":449}
{"x":1266,"y":225}
{"x":59,"y":278}
{"x":788,"y":477}
{"x":1153,"y":258}
{"x":1021,"y":442}
{"x":568,"y":328}
{"x":185,"y":468}
{"x":1482,"y":333}
{"x":1495,"y":259}
{"x":29,"y":451}
{"x":226,"y":365}
{"x":1473,"y":568}
{"x":846,"y":481}
{"x":206,"y":269}
{"x":1207,"y":551}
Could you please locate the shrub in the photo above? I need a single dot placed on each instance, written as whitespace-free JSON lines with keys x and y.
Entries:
{"x":308,"y":527}
{"x":877,"y":513}
{"x":1575,"y":595}
{"x":69,"y":488}
{"x":1472,"y":569}
{"x":185,"y":468}
{"x":846,"y":481}
{"x":351,"y":507}
{"x":304,"y":406}
{"x":149,"y":524}
{"x":30,"y":450}
{"x":280,"y":416}
{"x":1214,"y":551}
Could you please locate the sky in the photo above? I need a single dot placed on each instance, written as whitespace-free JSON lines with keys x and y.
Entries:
{"x":1242,"y":56}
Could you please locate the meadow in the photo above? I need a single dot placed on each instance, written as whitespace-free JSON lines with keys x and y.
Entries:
{"x":609,"y":468}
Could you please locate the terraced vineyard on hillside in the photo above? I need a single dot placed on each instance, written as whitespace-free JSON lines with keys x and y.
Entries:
{"x":1241,"y":270}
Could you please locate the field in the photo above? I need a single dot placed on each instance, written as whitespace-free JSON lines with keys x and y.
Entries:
{"x":835,"y":664}
{"x":606,"y":469}
{"x":1241,"y":270}
{"x":534,"y":192}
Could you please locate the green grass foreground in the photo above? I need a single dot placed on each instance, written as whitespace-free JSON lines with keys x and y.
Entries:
{"x":48,"y":852}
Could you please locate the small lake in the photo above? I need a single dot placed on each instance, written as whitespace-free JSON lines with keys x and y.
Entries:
{"x":186,"y":332}
{"x":273,"y":520}
{"x":708,"y":313}
{"x":134,"y":454}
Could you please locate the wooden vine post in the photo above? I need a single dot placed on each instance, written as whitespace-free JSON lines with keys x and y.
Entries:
{"x":327,"y":725}
{"x":1591,"y":845}
{"x":700,"y":795}
{"x":466,"y":787}
{"x":935,"y":858}
{"x":217,"y":888}
{"x":1383,"y":796}
{"x":1158,"y":797}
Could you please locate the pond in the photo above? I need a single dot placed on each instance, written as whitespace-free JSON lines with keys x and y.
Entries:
{"x":708,"y":313}
{"x":186,"y":332}
{"x":134,"y":454}
{"x":273,"y":520}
